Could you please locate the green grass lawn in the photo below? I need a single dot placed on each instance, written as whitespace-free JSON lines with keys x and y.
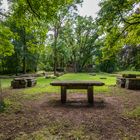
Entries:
{"x":43,"y":85}
{"x":5,"y":83}
{"x":129,"y":72}
{"x":110,"y":80}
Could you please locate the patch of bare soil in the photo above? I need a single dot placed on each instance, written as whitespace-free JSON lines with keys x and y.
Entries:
{"x":75,"y":119}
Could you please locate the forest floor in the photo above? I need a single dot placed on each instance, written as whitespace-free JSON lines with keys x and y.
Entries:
{"x":115,"y":115}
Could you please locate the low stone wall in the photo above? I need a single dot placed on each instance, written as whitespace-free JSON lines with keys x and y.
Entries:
{"x":132,"y":83}
{"x":129,"y":75}
{"x":23,"y":82}
{"x":128,"y":83}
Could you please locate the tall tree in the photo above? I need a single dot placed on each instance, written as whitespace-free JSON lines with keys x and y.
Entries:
{"x":81,"y":39}
{"x":119,"y":21}
{"x":6,"y":49}
{"x":57,"y":25}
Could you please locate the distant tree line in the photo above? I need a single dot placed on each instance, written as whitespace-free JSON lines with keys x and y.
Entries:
{"x":45,"y":35}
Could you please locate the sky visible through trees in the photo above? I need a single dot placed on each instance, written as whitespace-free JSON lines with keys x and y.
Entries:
{"x":88,"y":8}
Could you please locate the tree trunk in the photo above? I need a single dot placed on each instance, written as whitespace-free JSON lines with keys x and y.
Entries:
{"x":24,"y":64}
{"x":1,"y":98}
{"x":24,"y":51}
{"x":55,"y":62}
{"x":75,"y":66}
{"x":75,"y":63}
{"x":17,"y":63}
{"x":2,"y":65}
{"x":55,"y":51}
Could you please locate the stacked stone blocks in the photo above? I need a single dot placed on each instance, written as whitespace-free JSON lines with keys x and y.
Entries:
{"x":128,"y":81}
{"x":23,"y":82}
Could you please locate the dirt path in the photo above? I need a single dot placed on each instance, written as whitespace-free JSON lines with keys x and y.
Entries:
{"x":74,"y":120}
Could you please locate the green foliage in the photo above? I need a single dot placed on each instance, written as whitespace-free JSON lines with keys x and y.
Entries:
{"x":29,"y":39}
{"x":40,"y":10}
{"x":48,"y":35}
{"x":108,"y":65}
{"x":80,"y":40}
{"x":129,"y":58}
{"x":6,"y":37}
{"x":30,"y":21}
{"x":118,"y":25}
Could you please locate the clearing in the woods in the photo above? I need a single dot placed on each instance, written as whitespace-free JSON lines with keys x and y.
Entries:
{"x":37,"y":114}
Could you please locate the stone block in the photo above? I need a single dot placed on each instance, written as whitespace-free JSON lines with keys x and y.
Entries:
{"x":129,"y":75}
{"x":121,"y":82}
{"x":132,"y":83}
{"x":23,"y":82}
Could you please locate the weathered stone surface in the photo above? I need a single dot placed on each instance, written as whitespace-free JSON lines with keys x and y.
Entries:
{"x":132,"y":83}
{"x":128,"y":83}
{"x":121,"y":82}
{"x":19,"y":83}
{"x":129,"y":75}
{"x":77,"y":85}
{"x":31,"y":81}
{"x":23,"y":82}
{"x":50,"y":76}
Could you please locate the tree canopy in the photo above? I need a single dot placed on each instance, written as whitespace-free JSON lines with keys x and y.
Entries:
{"x":119,"y":21}
{"x":51,"y":35}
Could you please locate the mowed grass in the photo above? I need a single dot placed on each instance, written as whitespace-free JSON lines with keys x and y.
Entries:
{"x":5,"y":83}
{"x":105,"y":78}
{"x":129,"y":72}
{"x":43,"y":85}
